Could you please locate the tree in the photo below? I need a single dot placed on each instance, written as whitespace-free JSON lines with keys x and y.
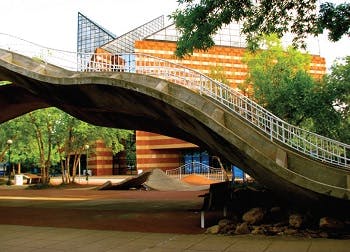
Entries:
{"x":6,"y":132}
{"x":21,"y":149}
{"x":279,"y":80}
{"x":337,"y":91}
{"x":198,"y":21}
{"x":282,"y":84}
{"x":39,"y":134}
{"x":218,"y":73}
{"x":71,"y":137}
{"x":47,"y":136}
{"x":335,"y":19}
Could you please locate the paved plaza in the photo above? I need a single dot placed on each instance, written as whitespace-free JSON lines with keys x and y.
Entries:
{"x":26,"y":238}
{"x":90,"y":220}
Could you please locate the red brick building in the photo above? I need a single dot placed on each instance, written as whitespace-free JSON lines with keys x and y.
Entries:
{"x":158,"y":151}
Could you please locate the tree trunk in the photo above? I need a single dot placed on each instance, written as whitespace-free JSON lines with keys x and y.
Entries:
{"x":63,"y":171}
{"x":67,"y":171}
{"x":3,"y":153}
{"x":44,"y":175}
{"x":75,"y":165}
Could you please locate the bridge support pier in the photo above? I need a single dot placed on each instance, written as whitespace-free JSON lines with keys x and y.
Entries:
{"x":348,"y":181}
{"x":281,"y":158}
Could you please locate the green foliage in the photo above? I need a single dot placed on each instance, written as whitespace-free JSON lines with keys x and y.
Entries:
{"x":13,"y":129}
{"x":48,"y":136}
{"x":130,"y":149}
{"x":218,"y":73}
{"x":5,"y":83}
{"x":279,"y":79}
{"x":336,"y":91}
{"x":335,"y":19}
{"x":198,"y":21}
{"x":282,"y":85}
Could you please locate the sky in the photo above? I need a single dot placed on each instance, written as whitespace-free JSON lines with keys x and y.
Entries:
{"x":53,"y":23}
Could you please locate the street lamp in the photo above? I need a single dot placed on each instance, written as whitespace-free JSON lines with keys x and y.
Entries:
{"x":9,"y":142}
{"x":87,"y":162}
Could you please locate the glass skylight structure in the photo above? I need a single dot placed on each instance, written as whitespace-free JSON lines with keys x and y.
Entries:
{"x":229,"y":35}
{"x":89,"y":37}
{"x":126,"y":42}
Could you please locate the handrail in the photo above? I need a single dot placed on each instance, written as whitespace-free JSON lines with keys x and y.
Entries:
{"x":313,"y":145}
{"x":197,"y":168}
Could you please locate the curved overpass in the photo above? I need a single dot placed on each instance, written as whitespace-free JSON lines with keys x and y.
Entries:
{"x":137,"y":101}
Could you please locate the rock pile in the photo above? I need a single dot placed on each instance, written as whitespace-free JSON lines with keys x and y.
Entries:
{"x":270,"y":219}
{"x":296,"y":225}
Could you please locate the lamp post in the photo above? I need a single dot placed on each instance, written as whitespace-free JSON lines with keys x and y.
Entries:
{"x":9,"y":142}
{"x":87,"y":162}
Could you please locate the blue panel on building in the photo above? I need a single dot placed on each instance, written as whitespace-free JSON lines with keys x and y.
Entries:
{"x":205,"y":161}
{"x":188,"y":163}
{"x":196,"y":162}
{"x":238,"y":173}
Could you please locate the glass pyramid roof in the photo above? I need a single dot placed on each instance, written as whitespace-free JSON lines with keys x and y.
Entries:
{"x":229,"y":35}
{"x":91,"y":35}
{"x":126,"y":42}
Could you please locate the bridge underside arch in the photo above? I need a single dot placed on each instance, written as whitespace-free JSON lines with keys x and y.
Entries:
{"x":133,"y":101}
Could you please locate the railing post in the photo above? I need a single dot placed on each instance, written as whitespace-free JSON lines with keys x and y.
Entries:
{"x":345,"y":158}
{"x":221,"y":94}
{"x":271,"y":129}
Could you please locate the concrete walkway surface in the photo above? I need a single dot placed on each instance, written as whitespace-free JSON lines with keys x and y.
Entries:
{"x":28,"y":238}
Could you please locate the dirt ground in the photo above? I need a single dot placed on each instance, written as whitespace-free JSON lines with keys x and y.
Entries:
{"x":84,"y":207}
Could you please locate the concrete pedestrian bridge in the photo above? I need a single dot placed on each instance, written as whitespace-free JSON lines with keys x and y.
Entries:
{"x":142,"y":95}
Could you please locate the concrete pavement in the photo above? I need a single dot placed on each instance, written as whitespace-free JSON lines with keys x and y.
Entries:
{"x":27,"y":238}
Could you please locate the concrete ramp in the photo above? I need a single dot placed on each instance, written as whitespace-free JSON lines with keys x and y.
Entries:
{"x":159,"y":181}
{"x":129,"y":183}
{"x":153,"y":180}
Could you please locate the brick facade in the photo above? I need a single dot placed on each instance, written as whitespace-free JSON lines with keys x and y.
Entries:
{"x":100,"y":159}
{"x":156,"y":151}
{"x":228,"y":59}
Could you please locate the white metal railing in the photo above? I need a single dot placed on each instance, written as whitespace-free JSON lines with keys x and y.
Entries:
{"x":313,"y":145}
{"x":196,"y":168}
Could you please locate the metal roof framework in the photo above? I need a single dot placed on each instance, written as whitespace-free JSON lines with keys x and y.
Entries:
{"x":126,"y":42}
{"x":90,"y":36}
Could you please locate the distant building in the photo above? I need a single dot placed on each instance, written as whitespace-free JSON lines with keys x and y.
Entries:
{"x":157,"y":39}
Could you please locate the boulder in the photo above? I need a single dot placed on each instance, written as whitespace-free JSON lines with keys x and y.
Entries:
{"x":290,"y":231}
{"x":258,"y":230}
{"x":224,"y":222}
{"x":253,"y":216}
{"x":228,"y":229}
{"x":226,"y":226}
{"x":213,"y":229}
{"x":277,"y":230}
{"x":242,"y":228}
{"x":296,"y":220}
{"x":275,"y":209}
{"x":323,"y":235}
{"x":331,"y":223}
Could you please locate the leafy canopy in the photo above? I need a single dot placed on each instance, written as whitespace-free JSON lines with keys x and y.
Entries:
{"x":337,"y":91}
{"x":280,"y":82}
{"x":279,"y":79}
{"x":35,"y":133}
{"x":199,"y":20}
